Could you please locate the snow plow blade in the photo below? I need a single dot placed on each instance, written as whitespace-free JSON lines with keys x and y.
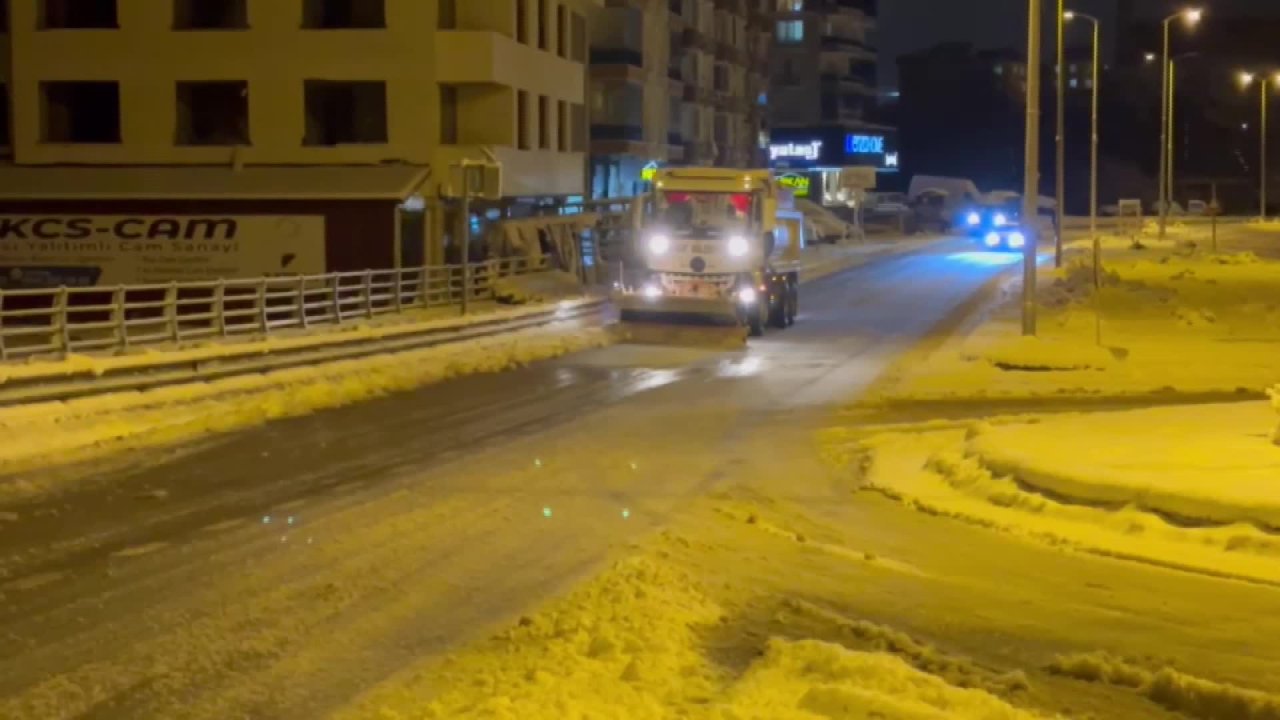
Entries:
{"x":685,"y":322}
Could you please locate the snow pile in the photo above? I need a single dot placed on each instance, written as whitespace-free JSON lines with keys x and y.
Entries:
{"x":1151,"y":508}
{"x":634,"y":643}
{"x":536,"y":287}
{"x":1204,"y":465}
{"x":84,"y":429}
{"x":1178,"y":692}
{"x":1162,"y":322}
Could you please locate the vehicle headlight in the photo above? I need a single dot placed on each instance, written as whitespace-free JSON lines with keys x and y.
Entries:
{"x":992,"y":239}
{"x":738,"y":246}
{"x":652,"y":291}
{"x":1001,"y":219}
{"x":973,"y":219}
{"x":747,"y":295}
{"x":659,"y":244}
{"x":1017,"y":240}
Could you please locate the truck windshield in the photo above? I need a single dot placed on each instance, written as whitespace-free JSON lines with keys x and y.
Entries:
{"x":682,"y":210}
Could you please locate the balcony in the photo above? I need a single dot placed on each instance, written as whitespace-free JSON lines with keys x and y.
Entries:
{"x":693,"y":37}
{"x":466,"y":57}
{"x":696,"y":94}
{"x":617,"y":56}
{"x":625,"y":133}
{"x":835,"y":43}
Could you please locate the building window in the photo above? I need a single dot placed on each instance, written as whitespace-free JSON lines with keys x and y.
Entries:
{"x":790,"y":31}
{"x":578,"y":38}
{"x":522,"y":120}
{"x":210,"y":15}
{"x":790,"y":5}
{"x":340,"y":113}
{"x":78,"y":14}
{"x":344,"y":14}
{"x":448,"y":115}
{"x":562,"y":31}
{"x":577,"y":128}
{"x":6,"y":139}
{"x":80,"y":112}
{"x":562,"y":126}
{"x":448,"y":15}
{"x":544,"y":122}
{"x":543,"y":35}
{"x":522,"y":21}
{"x":4,"y":16}
{"x":213,"y":113}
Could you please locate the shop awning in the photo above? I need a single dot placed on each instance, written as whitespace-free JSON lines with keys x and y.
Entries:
{"x":258,"y":182}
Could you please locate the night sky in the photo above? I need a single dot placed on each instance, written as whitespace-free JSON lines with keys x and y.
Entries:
{"x":910,"y":25}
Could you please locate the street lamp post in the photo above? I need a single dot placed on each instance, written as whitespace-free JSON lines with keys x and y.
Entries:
{"x":1265,"y":83}
{"x":1093,"y":145}
{"x":1191,"y":17}
{"x":1031,"y":173}
{"x":1060,"y":170}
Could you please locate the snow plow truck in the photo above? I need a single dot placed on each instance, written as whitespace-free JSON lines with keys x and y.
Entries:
{"x":715,"y":245}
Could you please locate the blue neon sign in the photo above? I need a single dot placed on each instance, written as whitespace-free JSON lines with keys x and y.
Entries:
{"x":863,"y":144}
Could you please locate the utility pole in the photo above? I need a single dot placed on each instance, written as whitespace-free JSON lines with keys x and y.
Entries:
{"x":1031,"y":173}
{"x":1172,"y":139}
{"x":1060,"y":166}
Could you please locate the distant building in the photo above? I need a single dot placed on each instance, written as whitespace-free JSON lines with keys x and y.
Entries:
{"x":340,"y":122}
{"x":823,"y":93}
{"x":675,"y":82}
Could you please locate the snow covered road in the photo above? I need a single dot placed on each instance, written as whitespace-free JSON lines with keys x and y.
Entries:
{"x":312,"y":566}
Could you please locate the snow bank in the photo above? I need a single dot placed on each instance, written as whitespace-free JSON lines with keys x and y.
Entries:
{"x":934,"y":471}
{"x":634,"y":643}
{"x":1275,"y":403}
{"x":1192,"y":696}
{"x":536,"y":287}
{"x":1164,"y":322}
{"x":1198,"y":465}
{"x":78,"y":430}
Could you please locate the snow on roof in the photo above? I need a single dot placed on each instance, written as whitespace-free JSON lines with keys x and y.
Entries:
{"x":347,"y":182}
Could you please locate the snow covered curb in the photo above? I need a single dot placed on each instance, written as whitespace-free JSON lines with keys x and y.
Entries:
{"x":819,"y":261}
{"x":1275,"y":403}
{"x":931,"y":468}
{"x":39,"y":435}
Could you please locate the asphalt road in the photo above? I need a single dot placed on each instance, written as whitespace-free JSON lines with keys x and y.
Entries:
{"x":282,"y":571}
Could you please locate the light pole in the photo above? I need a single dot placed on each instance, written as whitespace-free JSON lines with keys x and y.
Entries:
{"x":1093,"y":145}
{"x":1060,"y":170}
{"x":1265,"y":83}
{"x":1172,"y":141}
{"x":1191,"y":16}
{"x":1031,"y":173}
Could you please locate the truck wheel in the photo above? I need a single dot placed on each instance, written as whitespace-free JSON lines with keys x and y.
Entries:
{"x":778,"y":304}
{"x":793,"y":303}
{"x":757,"y":321}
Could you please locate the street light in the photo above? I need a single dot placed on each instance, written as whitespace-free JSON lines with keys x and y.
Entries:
{"x":1191,"y":17}
{"x":1265,"y":83}
{"x":1172,"y":121}
{"x":1093,"y":146}
{"x":1031,"y":173}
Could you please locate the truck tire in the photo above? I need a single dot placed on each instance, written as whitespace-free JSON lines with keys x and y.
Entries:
{"x":793,"y":302}
{"x":758,"y":319}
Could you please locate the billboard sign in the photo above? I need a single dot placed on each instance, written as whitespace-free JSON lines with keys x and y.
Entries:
{"x":98,"y":250}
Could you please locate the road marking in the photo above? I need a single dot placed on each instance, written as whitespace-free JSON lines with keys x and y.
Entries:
{"x":140,"y":549}
{"x":31,"y":582}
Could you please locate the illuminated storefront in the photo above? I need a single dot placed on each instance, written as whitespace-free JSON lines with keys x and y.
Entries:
{"x":809,"y":161}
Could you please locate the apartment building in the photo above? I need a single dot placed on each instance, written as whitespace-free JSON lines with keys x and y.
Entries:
{"x":823,"y":92}
{"x":675,"y":82}
{"x":331,"y":131}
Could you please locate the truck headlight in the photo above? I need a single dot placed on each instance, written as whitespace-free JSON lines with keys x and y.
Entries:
{"x":652,"y":291}
{"x":1017,"y":240}
{"x":992,"y":239}
{"x":974,"y":219}
{"x":1001,"y":219}
{"x":738,"y":246}
{"x":747,"y":296}
{"x":659,"y":244}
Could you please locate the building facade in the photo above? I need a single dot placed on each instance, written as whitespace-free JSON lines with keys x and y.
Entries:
{"x":823,"y":93}
{"x":675,"y":82}
{"x":253,"y":107}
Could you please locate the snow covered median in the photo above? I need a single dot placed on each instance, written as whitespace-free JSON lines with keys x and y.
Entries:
{"x":1165,"y":322}
{"x":1193,"y":488}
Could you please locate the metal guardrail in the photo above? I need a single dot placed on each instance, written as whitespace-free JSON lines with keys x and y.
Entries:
{"x":62,"y":321}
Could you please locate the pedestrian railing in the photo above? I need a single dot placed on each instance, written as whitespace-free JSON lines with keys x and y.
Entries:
{"x":62,"y":321}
